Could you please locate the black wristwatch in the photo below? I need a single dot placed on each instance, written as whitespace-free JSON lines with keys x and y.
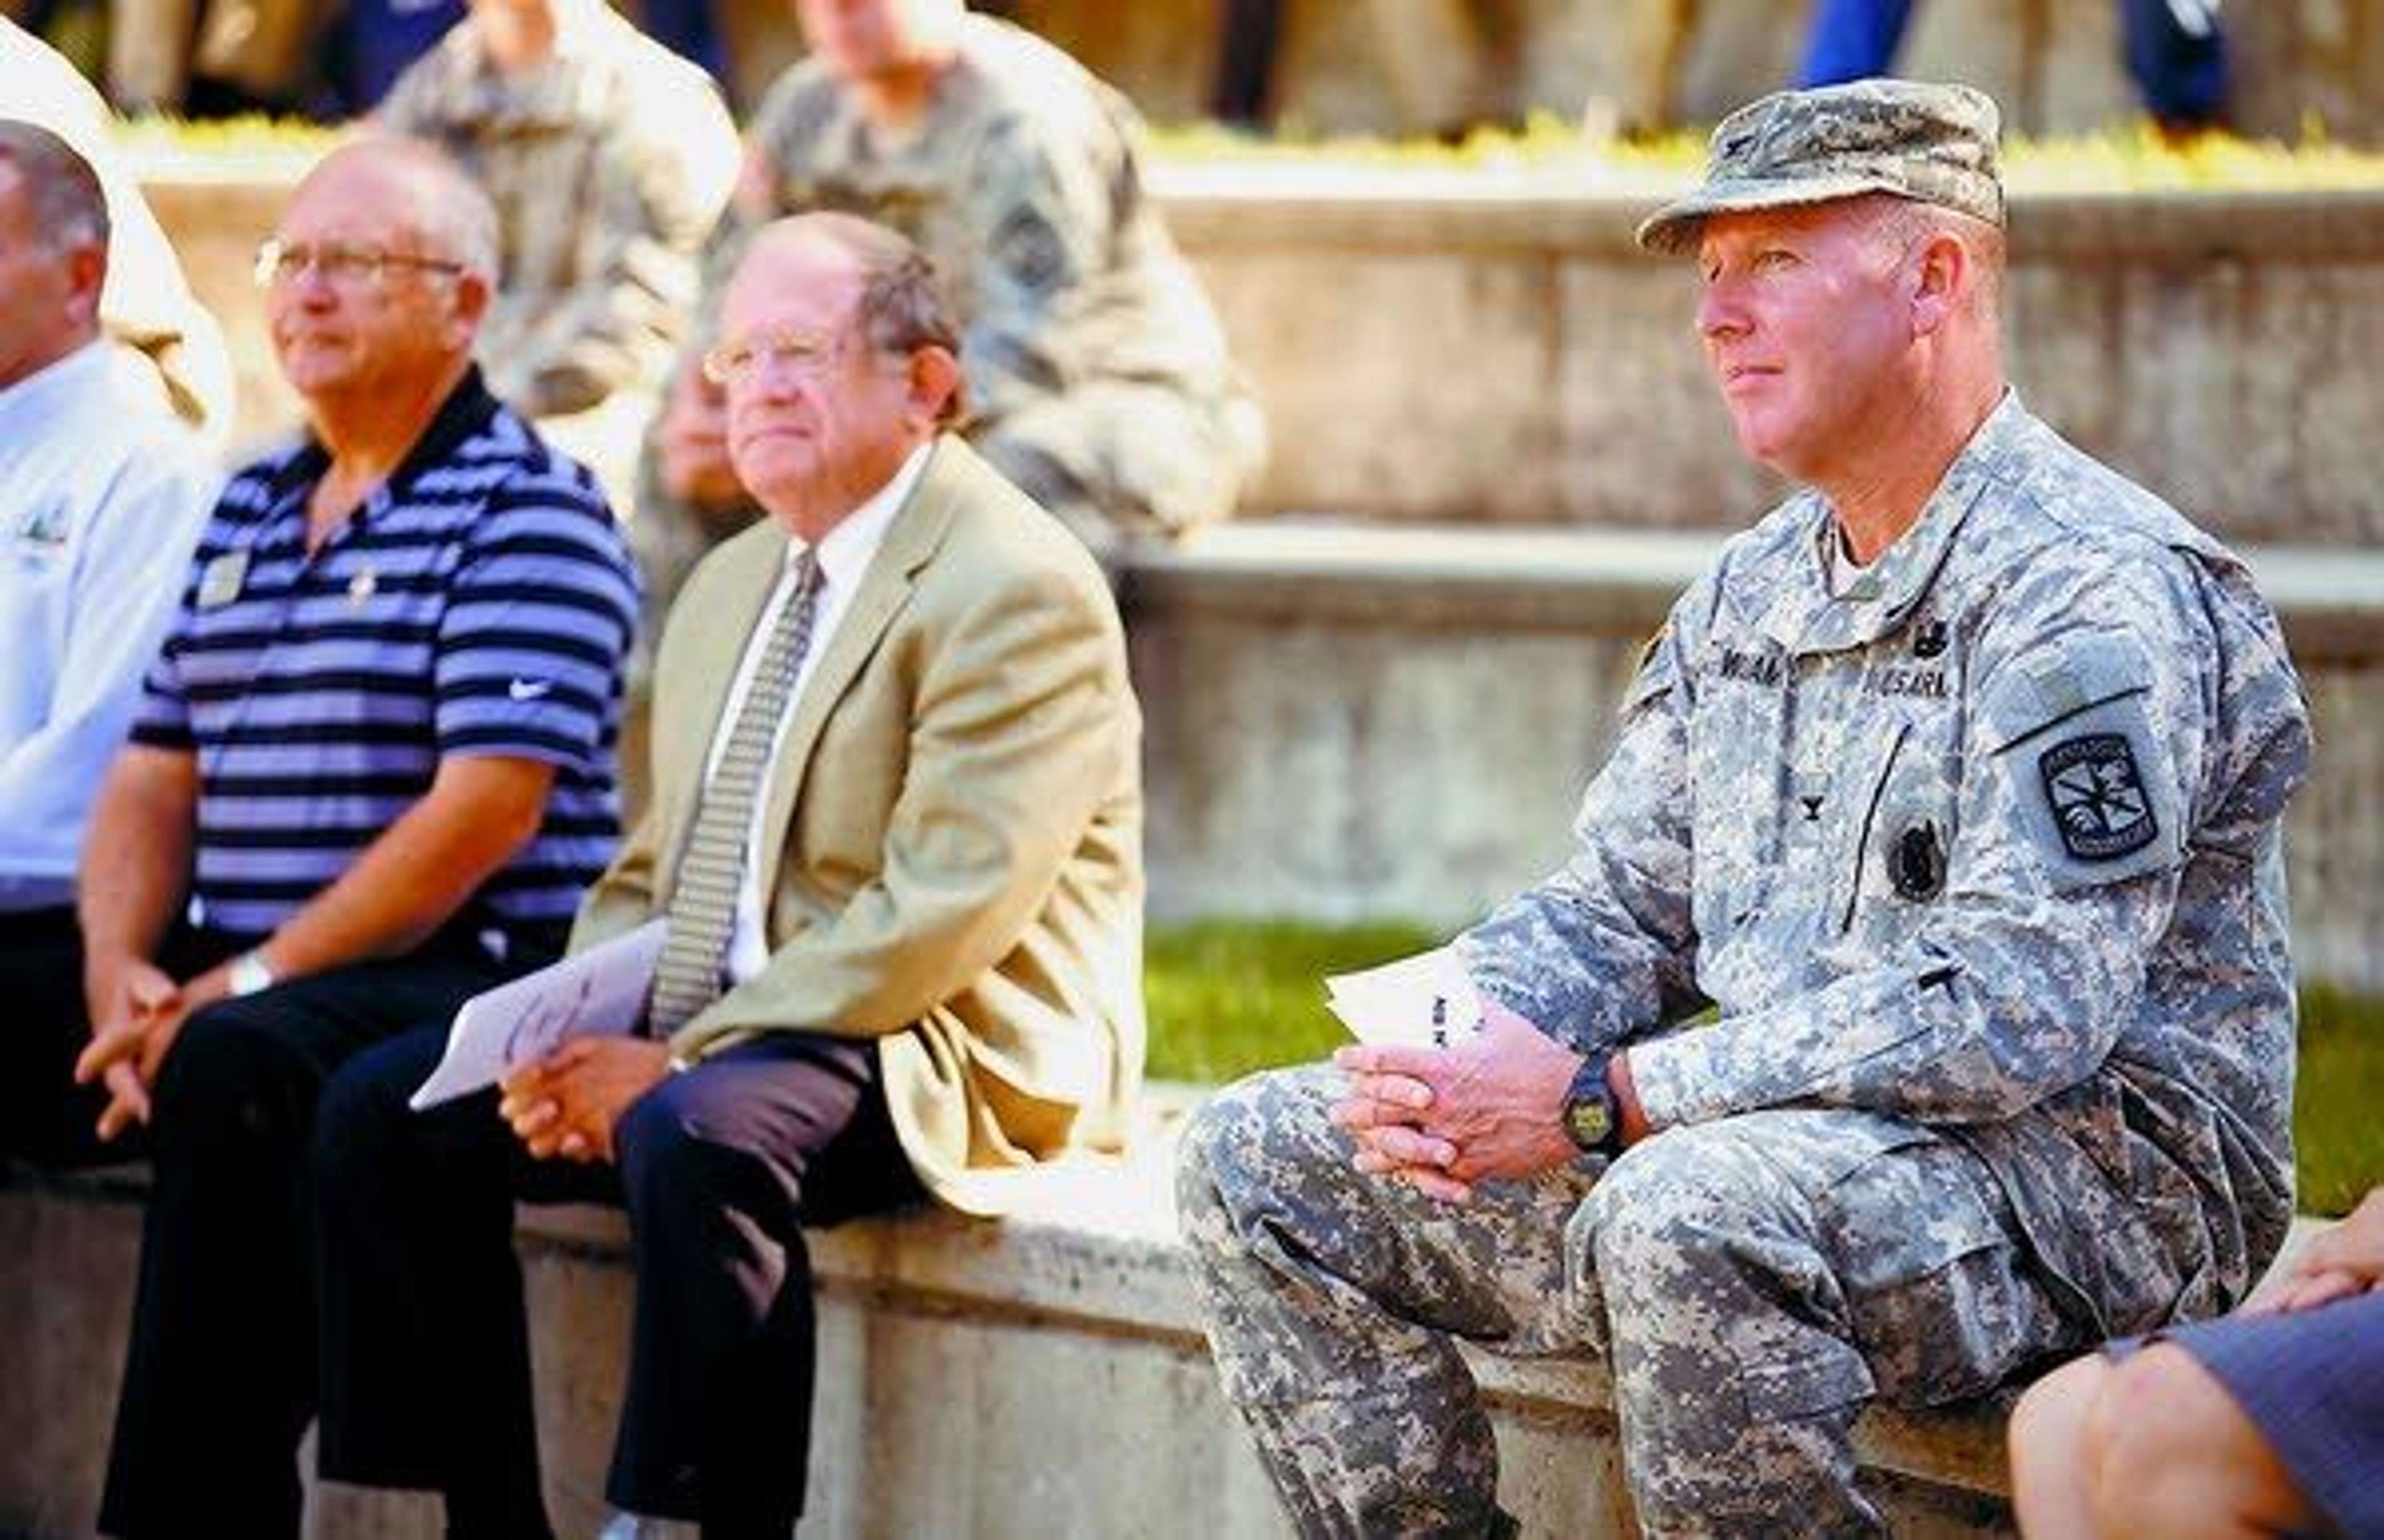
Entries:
{"x":1591,"y":1119}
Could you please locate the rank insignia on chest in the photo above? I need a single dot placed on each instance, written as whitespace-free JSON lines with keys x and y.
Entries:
{"x":2098,"y":797}
{"x":1929,"y":638}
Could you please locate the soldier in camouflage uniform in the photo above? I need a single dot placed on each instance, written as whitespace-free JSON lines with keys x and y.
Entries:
{"x":1097,"y":373}
{"x":608,"y":158}
{"x":1955,"y":789}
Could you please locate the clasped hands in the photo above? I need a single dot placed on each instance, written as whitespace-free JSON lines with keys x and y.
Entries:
{"x":566,"y":1105}
{"x":2346,"y":1261}
{"x":1446,"y":1119}
{"x":137,"y":1010}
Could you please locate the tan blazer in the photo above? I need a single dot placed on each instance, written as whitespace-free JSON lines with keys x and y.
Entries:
{"x":954,"y":823}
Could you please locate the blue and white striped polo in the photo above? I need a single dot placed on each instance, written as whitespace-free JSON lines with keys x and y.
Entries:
{"x":479,"y":602}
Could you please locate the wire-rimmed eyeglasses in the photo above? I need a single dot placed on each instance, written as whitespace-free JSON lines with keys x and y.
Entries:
{"x":343,"y":266}
{"x":804,"y":356}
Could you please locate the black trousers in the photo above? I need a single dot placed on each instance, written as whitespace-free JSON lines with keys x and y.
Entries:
{"x":44,"y":1116}
{"x":425,"y":1360}
{"x":219,"y":1376}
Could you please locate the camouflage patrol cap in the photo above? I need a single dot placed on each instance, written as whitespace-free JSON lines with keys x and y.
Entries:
{"x":1935,"y":144}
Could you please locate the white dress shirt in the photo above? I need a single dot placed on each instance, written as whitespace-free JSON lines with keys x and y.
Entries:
{"x":103,"y":493}
{"x":844,"y":556}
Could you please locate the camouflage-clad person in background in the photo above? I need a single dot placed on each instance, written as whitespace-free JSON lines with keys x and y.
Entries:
{"x":1955,"y":788}
{"x":1096,"y":373}
{"x":608,"y":158}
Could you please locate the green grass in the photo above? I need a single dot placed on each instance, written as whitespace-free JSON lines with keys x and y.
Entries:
{"x":2338,"y":1100}
{"x":1230,"y":997}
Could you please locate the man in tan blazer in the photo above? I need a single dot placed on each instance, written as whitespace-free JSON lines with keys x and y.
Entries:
{"x":896,"y":838}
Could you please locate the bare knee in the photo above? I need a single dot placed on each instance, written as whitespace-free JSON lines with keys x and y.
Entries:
{"x":2172,"y":1453}
{"x":2053,"y":1477}
{"x":2157,"y":1405}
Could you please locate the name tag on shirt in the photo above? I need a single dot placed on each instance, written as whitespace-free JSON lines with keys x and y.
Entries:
{"x":220,"y":582}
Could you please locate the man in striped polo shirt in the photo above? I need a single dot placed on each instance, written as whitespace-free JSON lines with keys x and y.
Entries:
{"x":371,"y":774}
{"x":895,"y":843}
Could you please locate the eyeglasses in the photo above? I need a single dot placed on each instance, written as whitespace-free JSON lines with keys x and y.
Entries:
{"x":805,"y":356}
{"x":342,"y":266}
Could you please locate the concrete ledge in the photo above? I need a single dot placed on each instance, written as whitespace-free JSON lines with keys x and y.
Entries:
{"x":1044,"y":1375}
{"x":1317,"y":570}
{"x":1592,"y":208}
{"x":1314,"y":568}
{"x":1353,"y":720}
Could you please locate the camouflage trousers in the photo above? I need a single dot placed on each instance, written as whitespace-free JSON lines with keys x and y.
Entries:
{"x":1125,"y":464}
{"x":1751,"y":1282}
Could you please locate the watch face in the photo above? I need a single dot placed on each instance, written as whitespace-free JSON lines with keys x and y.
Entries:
{"x":248,"y":976}
{"x":1589,"y":1121}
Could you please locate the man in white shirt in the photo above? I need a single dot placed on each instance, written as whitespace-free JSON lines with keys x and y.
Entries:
{"x":102,"y":493}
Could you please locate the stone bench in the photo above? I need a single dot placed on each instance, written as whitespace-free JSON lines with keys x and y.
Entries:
{"x":1351,"y":720}
{"x":1044,"y":1375}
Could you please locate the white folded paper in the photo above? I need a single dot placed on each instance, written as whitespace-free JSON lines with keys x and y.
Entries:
{"x":602,"y":990}
{"x":1427,"y":1000}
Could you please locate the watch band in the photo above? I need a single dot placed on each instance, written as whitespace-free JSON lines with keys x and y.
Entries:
{"x":249,"y":974}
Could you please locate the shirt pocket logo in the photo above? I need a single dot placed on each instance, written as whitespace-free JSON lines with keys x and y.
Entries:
{"x":39,"y":542}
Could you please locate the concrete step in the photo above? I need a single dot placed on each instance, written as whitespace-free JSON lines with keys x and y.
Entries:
{"x":1351,"y":720}
{"x":1487,"y":345}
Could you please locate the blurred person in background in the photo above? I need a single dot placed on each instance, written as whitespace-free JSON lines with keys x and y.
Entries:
{"x":1097,"y":372}
{"x":608,"y":159}
{"x":2174,"y":51}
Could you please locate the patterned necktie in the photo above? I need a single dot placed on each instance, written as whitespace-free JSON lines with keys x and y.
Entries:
{"x":703,"y":903}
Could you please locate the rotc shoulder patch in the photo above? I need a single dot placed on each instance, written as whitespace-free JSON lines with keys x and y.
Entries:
{"x":2098,"y":798}
{"x":2095,"y":794}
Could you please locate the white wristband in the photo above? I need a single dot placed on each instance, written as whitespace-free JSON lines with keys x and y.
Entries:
{"x":249,"y":972}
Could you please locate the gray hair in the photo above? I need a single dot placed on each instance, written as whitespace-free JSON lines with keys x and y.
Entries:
{"x":903,"y":306}
{"x":62,"y":191}
{"x":449,"y":210}
{"x":1904,"y":222}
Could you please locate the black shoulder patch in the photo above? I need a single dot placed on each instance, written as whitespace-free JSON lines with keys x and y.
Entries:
{"x":1028,"y":249}
{"x":2098,"y":797}
{"x":1916,"y":863}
